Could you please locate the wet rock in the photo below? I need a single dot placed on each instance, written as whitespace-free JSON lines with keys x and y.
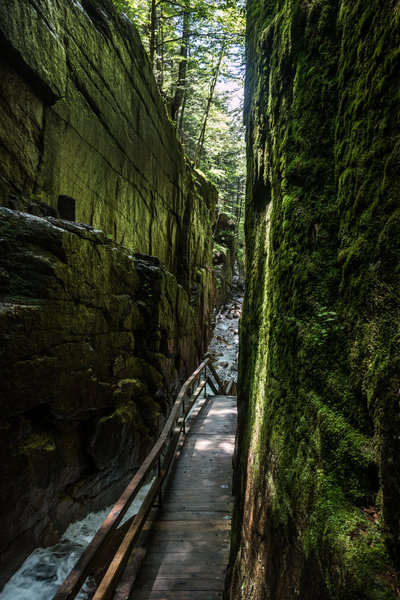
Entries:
{"x":106,"y":303}
{"x":94,"y":345}
{"x":224,"y":345}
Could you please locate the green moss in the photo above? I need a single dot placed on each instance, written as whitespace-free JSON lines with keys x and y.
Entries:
{"x":149,"y":410}
{"x":37,"y":442}
{"x":319,"y":374}
{"x":219,"y":248}
{"x":354,"y":542}
{"x":125,"y":413}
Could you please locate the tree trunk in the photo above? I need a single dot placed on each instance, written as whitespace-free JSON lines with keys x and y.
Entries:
{"x":180,"y":128}
{"x":182,"y":69}
{"x":200,"y":143}
{"x":239,"y":201}
{"x":159,"y":50}
{"x":153,"y":30}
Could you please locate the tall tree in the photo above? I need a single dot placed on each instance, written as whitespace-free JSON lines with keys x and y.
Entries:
{"x":183,"y":62}
{"x":200,"y":143}
{"x":196,"y":48}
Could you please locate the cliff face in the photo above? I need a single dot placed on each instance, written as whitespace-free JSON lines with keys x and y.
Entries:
{"x":84,"y":128}
{"x":317,"y":514}
{"x":96,"y":335}
{"x":225,"y":251}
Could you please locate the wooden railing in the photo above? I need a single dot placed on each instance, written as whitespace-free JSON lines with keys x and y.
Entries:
{"x":167,"y":443}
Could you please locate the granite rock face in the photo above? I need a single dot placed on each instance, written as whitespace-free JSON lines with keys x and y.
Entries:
{"x":225,"y":251}
{"x":98,"y":328}
{"x":95,"y":342}
{"x":318,"y":481}
{"x":82,"y":119}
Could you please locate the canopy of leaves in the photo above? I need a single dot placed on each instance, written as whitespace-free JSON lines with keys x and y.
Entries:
{"x":197,"y":48}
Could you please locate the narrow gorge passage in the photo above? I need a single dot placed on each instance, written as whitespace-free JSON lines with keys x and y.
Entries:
{"x":197,"y":486}
{"x":115,"y":248}
{"x":129,"y":189}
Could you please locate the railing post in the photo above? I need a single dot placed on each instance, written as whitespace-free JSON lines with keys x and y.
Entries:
{"x":205,"y":385}
{"x":159,"y":475}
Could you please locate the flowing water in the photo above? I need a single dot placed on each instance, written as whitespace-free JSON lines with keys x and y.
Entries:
{"x":225,"y":344}
{"x":46,"y":568}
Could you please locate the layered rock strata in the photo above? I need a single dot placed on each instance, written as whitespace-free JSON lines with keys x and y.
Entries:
{"x":85,"y":131}
{"x":318,"y":479}
{"x":95,"y":342}
{"x":97,"y":329}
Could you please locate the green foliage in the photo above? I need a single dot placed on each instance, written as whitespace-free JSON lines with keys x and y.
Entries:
{"x":37,"y":442}
{"x":326,"y":321}
{"x":215,"y":28}
{"x":35,"y":197}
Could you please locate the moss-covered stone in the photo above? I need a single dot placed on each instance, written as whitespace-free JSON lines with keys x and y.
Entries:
{"x":95,"y":343}
{"x":316,"y":515}
{"x":82,"y":118}
{"x":97,"y":329}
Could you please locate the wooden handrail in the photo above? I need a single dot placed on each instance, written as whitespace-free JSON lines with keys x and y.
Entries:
{"x":170,"y":434}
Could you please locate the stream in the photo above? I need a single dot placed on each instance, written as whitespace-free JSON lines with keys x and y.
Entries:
{"x":46,"y":568}
{"x":224,"y":345}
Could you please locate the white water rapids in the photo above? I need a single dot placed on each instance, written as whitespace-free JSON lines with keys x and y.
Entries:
{"x":225,"y":344}
{"x":46,"y":568}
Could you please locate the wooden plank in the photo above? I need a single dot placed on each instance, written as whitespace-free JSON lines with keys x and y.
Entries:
{"x":217,"y":438}
{"x":179,"y":584}
{"x":221,"y":495}
{"x":195,"y":527}
{"x":207,"y":467}
{"x":170,"y":535}
{"x":206,"y":486}
{"x":173,"y":547}
{"x":212,"y":386}
{"x":191,"y":515}
{"x":121,"y":558}
{"x":176,"y":595}
{"x":77,"y":576}
{"x":189,"y":543}
{"x":189,"y":557}
{"x":116,"y":568}
{"x":201,"y":506}
{"x":125,"y":586}
{"x":110,"y":579}
{"x":190,"y":571}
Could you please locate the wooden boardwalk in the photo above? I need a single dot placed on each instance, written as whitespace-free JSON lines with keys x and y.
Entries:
{"x":188,"y":546}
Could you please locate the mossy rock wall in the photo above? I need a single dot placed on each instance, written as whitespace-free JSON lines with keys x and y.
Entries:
{"x":317,"y":512}
{"x":95,"y":343}
{"x":225,"y":251}
{"x":98,"y":328}
{"x":83,"y":121}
